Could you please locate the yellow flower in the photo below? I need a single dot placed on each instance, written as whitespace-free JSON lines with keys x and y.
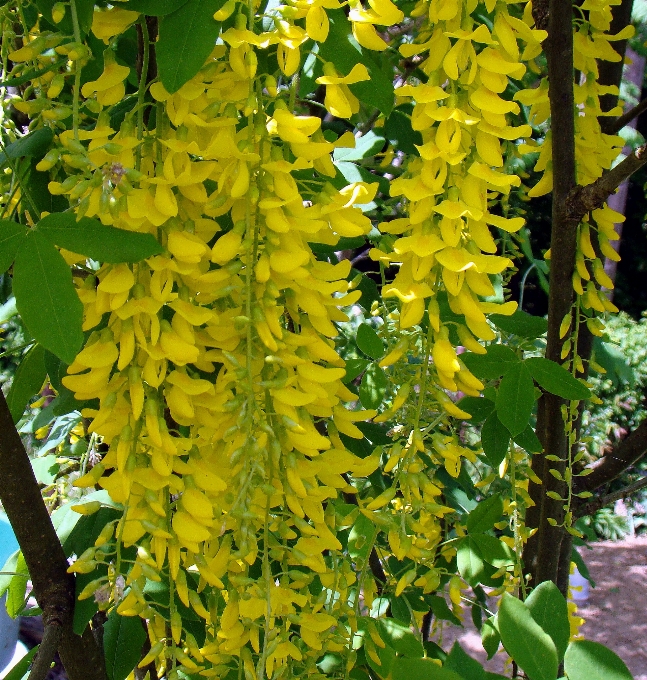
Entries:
{"x":340,"y":101}
{"x":111,"y":22}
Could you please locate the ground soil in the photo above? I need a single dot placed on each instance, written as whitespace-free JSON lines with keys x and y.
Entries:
{"x":615,"y":612}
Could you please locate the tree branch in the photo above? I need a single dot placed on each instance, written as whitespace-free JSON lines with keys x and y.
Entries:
{"x":542,"y":552}
{"x":46,"y":652}
{"x":625,"y":454}
{"x":584,"y":199}
{"x":53,"y":586}
{"x":627,"y":117}
{"x":597,"y":503}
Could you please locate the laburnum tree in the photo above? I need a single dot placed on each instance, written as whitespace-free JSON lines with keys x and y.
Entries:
{"x":263,"y":255}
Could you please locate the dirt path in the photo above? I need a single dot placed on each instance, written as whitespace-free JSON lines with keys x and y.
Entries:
{"x":615,"y":613}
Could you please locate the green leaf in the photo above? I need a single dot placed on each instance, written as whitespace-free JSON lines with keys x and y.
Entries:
{"x":8,"y":569}
{"x":556,"y":379}
{"x":65,"y":519}
{"x":478,"y":407}
{"x":400,"y":638}
{"x":360,"y":538}
{"x":123,"y":638}
{"x":46,"y":297}
{"x":354,"y":367}
{"x":28,"y":381}
{"x":494,"y":552}
{"x":17,"y":588}
{"x":550,"y":610}
{"x":399,"y":132}
{"x":515,"y":399}
{"x":490,"y":638}
{"x":344,"y":52}
{"x":525,"y":640}
{"x":373,"y":386}
{"x":365,"y":146}
{"x":19,"y":671}
{"x":529,"y":441}
{"x":588,"y":660}
{"x":99,"y":241}
{"x":45,"y":469}
{"x":85,"y":609}
{"x":498,"y":361}
{"x":520,"y":323}
{"x":495,"y":440}
{"x":87,"y":529}
{"x":386,"y":656}
{"x":441,"y":610}
{"x":421,"y":669}
{"x":34,"y":144}
{"x":485,"y":515}
{"x":469,"y":561}
{"x":467,"y":667}
{"x":153,"y":8}
{"x":369,"y":341}
{"x":186,"y":39}
{"x":581,"y":566}
{"x":12,"y":235}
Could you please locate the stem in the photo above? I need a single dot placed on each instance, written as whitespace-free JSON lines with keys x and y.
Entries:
{"x":46,"y":652}
{"x":141,"y":92}
{"x":77,"y":72}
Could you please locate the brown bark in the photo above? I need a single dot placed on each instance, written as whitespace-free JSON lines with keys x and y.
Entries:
{"x":542,"y":551}
{"x":53,"y":586}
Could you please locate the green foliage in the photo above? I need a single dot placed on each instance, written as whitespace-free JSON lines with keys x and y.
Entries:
{"x":186,"y":39}
{"x":46,"y":297}
{"x":95,"y":240}
{"x":588,"y":660}
{"x":123,"y":637}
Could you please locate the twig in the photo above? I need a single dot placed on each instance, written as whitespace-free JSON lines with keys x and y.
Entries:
{"x":627,"y":117}
{"x":597,"y":503}
{"x":46,"y":651}
{"x":625,"y":454}
{"x":366,"y":126}
{"x":584,"y":199}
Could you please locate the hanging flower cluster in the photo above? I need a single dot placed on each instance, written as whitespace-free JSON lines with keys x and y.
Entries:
{"x":228,"y":430}
{"x":444,"y":246}
{"x":215,"y":363}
